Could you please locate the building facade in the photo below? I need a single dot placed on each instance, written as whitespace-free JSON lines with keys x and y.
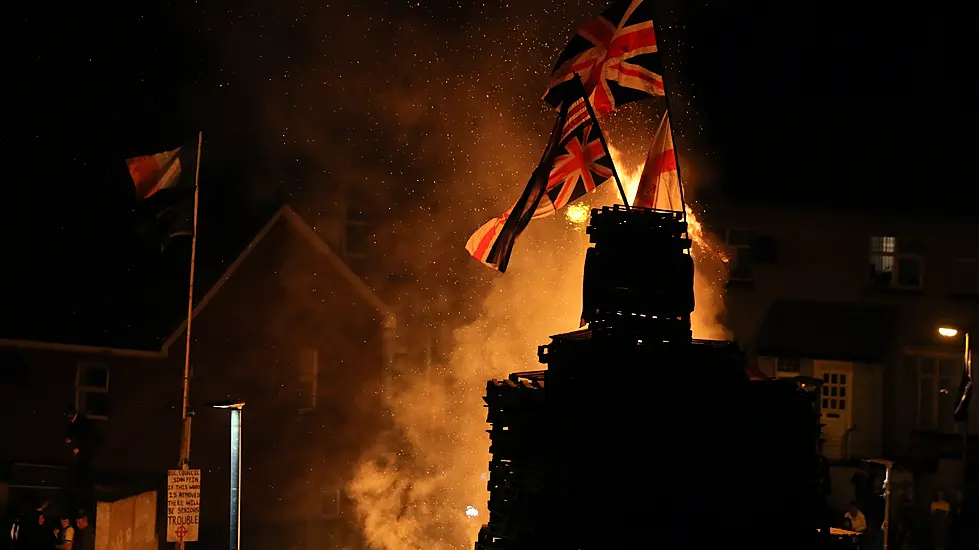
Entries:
{"x":855,"y":301}
{"x":289,"y":328}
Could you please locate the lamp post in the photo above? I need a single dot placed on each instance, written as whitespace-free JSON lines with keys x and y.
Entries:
{"x":235,"y":406}
{"x":886,"y":527}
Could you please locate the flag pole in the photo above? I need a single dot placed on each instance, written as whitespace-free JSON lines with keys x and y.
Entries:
{"x":185,"y":436}
{"x":669,"y":120}
{"x":601,"y":138}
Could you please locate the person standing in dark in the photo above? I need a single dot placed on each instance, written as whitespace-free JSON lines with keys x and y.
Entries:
{"x":84,"y":534}
{"x":33,"y":533}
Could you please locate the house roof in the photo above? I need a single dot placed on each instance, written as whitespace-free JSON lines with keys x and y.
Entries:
{"x":285,"y":214}
{"x":826,"y":330}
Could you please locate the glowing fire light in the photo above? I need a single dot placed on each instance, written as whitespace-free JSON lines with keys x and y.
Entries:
{"x":407,"y":499}
{"x":667,"y":200}
{"x":577,"y":213}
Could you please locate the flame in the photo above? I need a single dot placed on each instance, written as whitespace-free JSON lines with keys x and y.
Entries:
{"x":408,"y":490}
{"x":577,"y":213}
{"x":669,"y":200}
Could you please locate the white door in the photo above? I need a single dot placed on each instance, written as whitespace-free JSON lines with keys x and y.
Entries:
{"x":835,"y":404}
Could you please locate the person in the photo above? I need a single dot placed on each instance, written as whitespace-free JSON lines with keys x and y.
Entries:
{"x":940,"y":512}
{"x":855,"y":518}
{"x":10,"y":543}
{"x":84,"y":534}
{"x":40,"y":537}
{"x":66,"y":534}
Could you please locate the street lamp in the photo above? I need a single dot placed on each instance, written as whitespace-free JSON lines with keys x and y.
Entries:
{"x":235,"y":406}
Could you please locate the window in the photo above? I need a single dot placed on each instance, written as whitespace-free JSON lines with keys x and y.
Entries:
{"x":965,"y":276}
{"x":787,"y":368}
{"x":890,"y":268}
{"x":92,"y":390}
{"x":834,"y":392}
{"x":357,"y":234}
{"x":739,"y":243}
{"x":937,"y":390}
{"x":309,"y":374}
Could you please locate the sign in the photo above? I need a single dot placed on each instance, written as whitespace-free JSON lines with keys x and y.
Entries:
{"x":183,"y":505}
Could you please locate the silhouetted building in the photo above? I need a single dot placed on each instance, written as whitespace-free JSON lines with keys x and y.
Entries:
{"x":288,"y":328}
{"x":855,"y":300}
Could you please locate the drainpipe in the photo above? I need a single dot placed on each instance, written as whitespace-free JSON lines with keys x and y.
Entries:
{"x":846,"y":442}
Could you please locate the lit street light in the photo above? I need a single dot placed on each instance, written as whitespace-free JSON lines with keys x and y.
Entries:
{"x":948,"y":332}
{"x":235,"y":406}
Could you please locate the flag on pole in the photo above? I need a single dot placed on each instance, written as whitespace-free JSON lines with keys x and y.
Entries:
{"x":574,"y":163}
{"x":659,"y":172}
{"x":615,"y":54}
{"x":166,"y":170}
{"x":165,"y":184}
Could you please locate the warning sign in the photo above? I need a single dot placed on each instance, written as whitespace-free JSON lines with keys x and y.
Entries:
{"x":183,"y":505}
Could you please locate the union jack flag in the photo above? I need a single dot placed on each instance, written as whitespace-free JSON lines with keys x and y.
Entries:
{"x":575,"y":162}
{"x":615,"y":54}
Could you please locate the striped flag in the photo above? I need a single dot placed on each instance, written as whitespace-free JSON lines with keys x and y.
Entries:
{"x":165,"y":184}
{"x":617,"y":56}
{"x":574,"y":163}
{"x":166,"y":170}
{"x":659,"y":172}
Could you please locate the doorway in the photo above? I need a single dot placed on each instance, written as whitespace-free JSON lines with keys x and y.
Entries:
{"x":835,"y":405}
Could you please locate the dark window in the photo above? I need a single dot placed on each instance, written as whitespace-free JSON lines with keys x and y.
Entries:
{"x":92,"y":390}
{"x":965,"y":276}
{"x":739,"y":243}
{"x":358,"y":234}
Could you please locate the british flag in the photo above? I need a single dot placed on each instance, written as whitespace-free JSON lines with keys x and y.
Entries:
{"x":575,"y":162}
{"x":615,"y":54}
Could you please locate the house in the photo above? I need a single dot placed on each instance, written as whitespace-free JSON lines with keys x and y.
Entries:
{"x":855,"y":300}
{"x":287,"y":327}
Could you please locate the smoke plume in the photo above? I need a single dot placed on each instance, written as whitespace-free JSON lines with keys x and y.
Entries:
{"x":431,"y":117}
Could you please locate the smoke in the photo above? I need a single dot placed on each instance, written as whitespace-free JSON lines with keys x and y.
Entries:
{"x":434,"y":122}
{"x":419,"y":500}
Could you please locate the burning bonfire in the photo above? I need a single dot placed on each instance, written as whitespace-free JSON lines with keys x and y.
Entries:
{"x":426,"y":487}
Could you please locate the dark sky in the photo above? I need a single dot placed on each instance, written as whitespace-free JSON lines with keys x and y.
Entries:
{"x":431,"y":111}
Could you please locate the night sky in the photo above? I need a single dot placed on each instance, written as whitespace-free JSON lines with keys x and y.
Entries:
{"x":430,"y":111}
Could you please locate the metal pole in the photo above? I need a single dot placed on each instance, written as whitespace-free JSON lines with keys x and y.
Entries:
{"x":887,"y":504}
{"x":235,"y":534}
{"x":965,"y":425}
{"x":601,"y":138}
{"x":185,"y":433}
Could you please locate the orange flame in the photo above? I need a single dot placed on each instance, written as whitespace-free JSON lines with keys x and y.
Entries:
{"x":414,"y":489}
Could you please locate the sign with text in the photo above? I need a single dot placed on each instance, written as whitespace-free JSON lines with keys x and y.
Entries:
{"x":183,"y":505}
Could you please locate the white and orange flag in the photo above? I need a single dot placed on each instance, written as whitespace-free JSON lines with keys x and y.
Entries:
{"x":660,"y":172}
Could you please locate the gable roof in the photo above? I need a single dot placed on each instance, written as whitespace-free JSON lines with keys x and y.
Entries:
{"x":284,"y":214}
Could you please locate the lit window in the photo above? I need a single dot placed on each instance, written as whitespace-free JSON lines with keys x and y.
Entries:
{"x":892,"y":269}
